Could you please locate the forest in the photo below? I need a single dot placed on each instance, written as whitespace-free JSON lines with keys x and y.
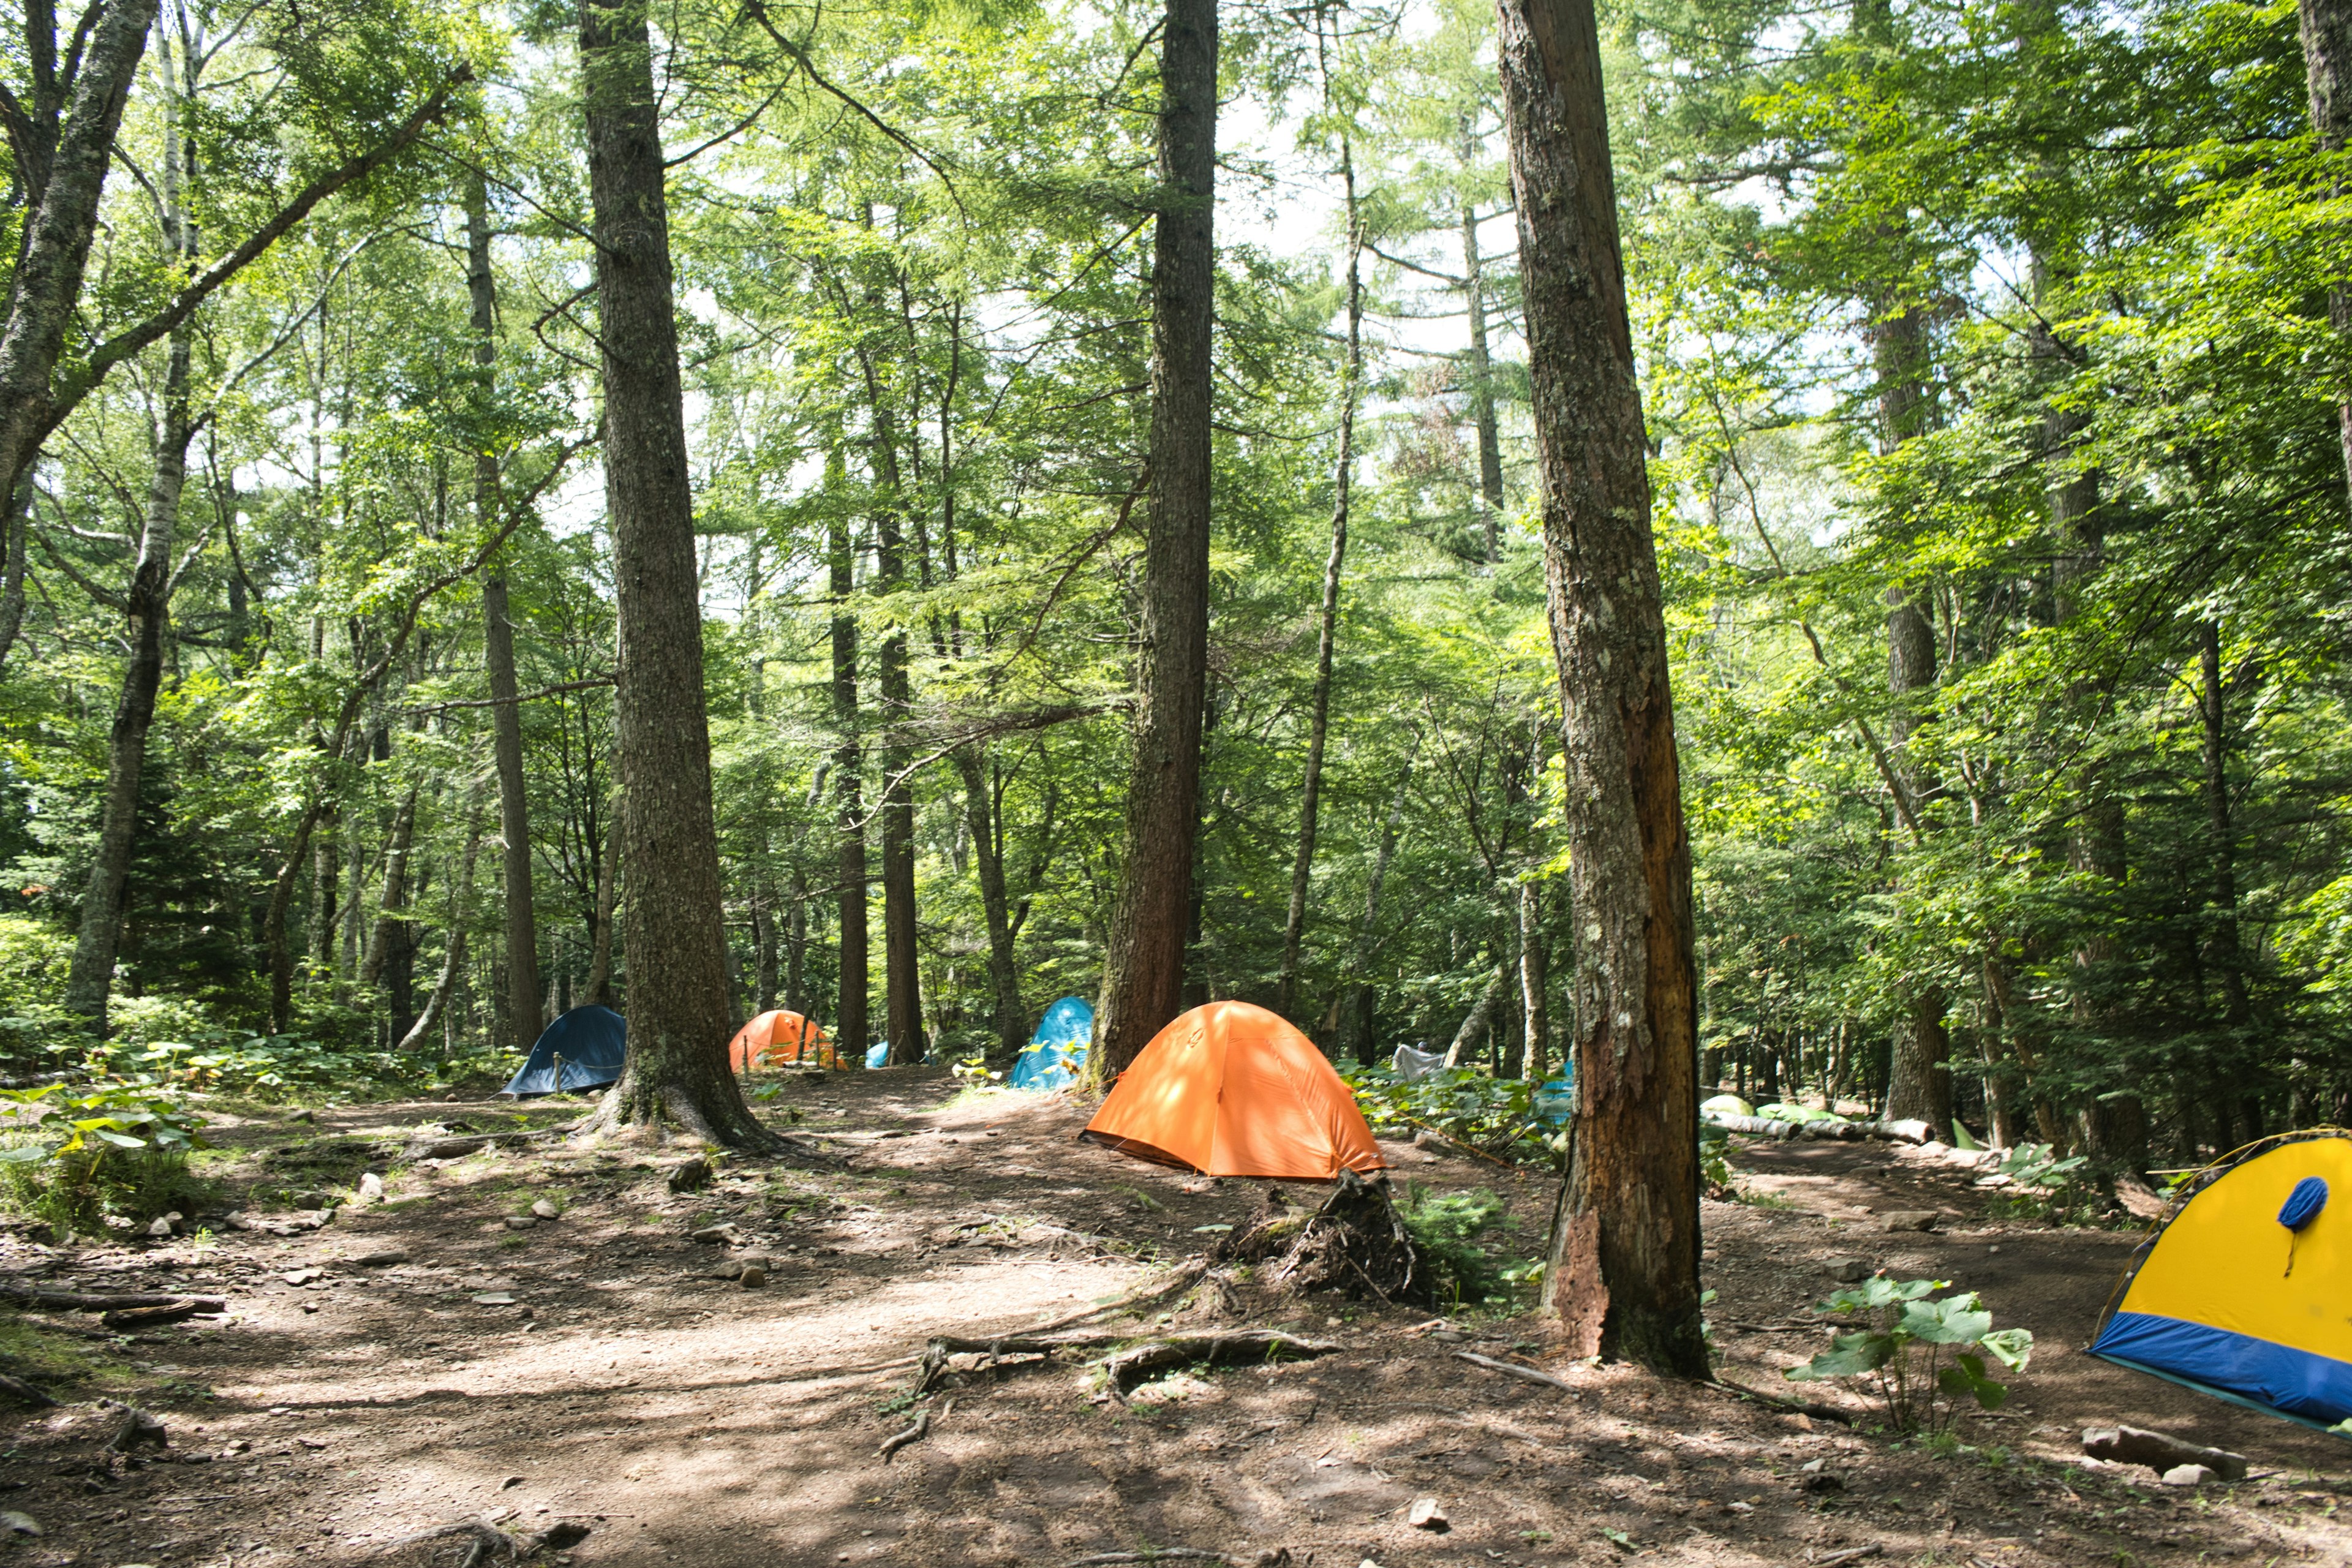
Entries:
{"x":1663,"y":679}
{"x":1994,"y":375}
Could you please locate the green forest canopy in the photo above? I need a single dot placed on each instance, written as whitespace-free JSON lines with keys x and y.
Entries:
{"x":2000,"y":329}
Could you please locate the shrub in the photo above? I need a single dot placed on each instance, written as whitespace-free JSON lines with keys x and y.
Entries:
{"x":1495,"y":1115}
{"x":1920,"y":1357}
{"x":1444,"y":1229}
{"x":79,"y":1158}
{"x":34,"y":958}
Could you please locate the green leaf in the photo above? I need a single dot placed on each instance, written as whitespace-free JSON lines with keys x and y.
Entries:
{"x":24,"y":1154}
{"x":2011,"y":1347}
{"x":1955,"y":1320}
{"x":119,"y":1140}
{"x":1967,"y":1377}
{"x":1849,"y":1355}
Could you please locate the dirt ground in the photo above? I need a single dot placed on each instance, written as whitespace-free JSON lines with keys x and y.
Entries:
{"x":452,"y":1358}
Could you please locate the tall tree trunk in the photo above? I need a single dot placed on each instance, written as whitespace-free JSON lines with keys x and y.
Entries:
{"x":676,"y":942}
{"x":453,"y":957}
{"x":1624,"y":1269}
{"x":1319,"y":720}
{"x":392,"y":905}
{"x":60,"y":225}
{"x":1365,"y":994}
{"x":1143,"y":962}
{"x":851,"y":1024}
{"x":987,"y":823}
{"x":796,"y":946}
{"x":1534,"y":984}
{"x":2326,"y":29}
{"x":902,"y":976}
{"x":600,"y":950}
{"x":2228,"y":957}
{"x":14,"y":537}
{"x":763,"y":952}
{"x":1482,"y":1012}
{"x":1482,"y":389}
{"x":90,"y":979}
{"x":497,"y":647}
{"x":1919,"y":1084}
{"x":326,"y":887}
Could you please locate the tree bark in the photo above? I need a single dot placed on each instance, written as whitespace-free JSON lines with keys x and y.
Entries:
{"x":1534,"y":984}
{"x":1366,"y":996}
{"x":1919,"y":1084}
{"x":677,"y":940}
{"x":1143,"y":962}
{"x":1318,"y":721}
{"x":90,"y":979}
{"x":902,"y":976}
{"x":851,"y":1024}
{"x":763,"y":952}
{"x":13,"y":542}
{"x":1625,"y":1270}
{"x":600,"y":950}
{"x":60,"y":225}
{"x":2326,"y":29}
{"x":1482,"y":389}
{"x":453,"y":957}
{"x":2228,"y":955}
{"x":1474,"y":1023}
{"x":985,"y":817}
{"x":498,"y":645}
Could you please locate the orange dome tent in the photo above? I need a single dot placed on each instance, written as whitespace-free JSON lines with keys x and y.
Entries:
{"x":778,"y":1040}
{"x":1229,"y":1089}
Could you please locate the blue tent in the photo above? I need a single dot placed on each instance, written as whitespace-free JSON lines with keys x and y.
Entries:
{"x":1059,"y":1047}
{"x":878,"y":1055}
{"x":593,"y":1043}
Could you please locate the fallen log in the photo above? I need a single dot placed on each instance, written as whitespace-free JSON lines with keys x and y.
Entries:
{"x":1813,"y":1408}
{"x":89,"y":1302}
{"x":1532,"y":1374}
{"x":2159,"y":1451}
{"x":1130,"y":1366}
{"x":20,"y":1389}
{"x":130,"y":1318}
{"x":936,"y":1354}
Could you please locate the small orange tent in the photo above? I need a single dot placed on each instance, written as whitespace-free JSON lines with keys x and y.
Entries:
{"x":778,"y":1040}
{"x":1229,"y":1089}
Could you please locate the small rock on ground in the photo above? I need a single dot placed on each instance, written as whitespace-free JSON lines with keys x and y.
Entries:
{"x":1909,"y":1219}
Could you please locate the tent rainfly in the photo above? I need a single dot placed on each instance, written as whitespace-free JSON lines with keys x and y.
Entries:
{"x":1058,"y":1049}
{"x":1231,"y":1089}
{"x":778,"y":1039}
{"x":584,"y":1049}
{"x":2240,"y":1291}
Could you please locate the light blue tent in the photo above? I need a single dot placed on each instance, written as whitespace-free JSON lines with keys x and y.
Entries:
{"x":586,"y":1045}
{"x":1058,"y":1048}
{"x":878,"y":1055}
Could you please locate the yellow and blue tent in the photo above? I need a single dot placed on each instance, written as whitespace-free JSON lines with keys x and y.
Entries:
{"x":2243,"y":1291}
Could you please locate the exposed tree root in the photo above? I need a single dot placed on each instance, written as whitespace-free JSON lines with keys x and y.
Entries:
{"x":1531,"y":1375}
{"x":912,"y":1435}
{"x":487,"y":1543}
{"x":1131,"y":1361}
{"x":1355,"y":1244}
{"x":639,"y":1110}
{"x":1131,"y":1366}
{"x":1813,"y":1408}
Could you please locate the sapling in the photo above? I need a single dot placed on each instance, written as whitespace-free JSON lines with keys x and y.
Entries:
{"x":1919,"y":1356}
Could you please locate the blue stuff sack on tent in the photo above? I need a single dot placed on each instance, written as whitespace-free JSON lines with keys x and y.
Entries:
{"x":1058,"y":1049}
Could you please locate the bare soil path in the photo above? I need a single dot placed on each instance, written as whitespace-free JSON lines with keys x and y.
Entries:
{"x":453,"y":1357}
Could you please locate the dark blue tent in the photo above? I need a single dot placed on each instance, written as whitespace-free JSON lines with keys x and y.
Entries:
{"x":591,"y":1043}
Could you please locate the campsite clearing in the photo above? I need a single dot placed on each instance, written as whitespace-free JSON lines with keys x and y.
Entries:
{"x":594,"y":1368}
